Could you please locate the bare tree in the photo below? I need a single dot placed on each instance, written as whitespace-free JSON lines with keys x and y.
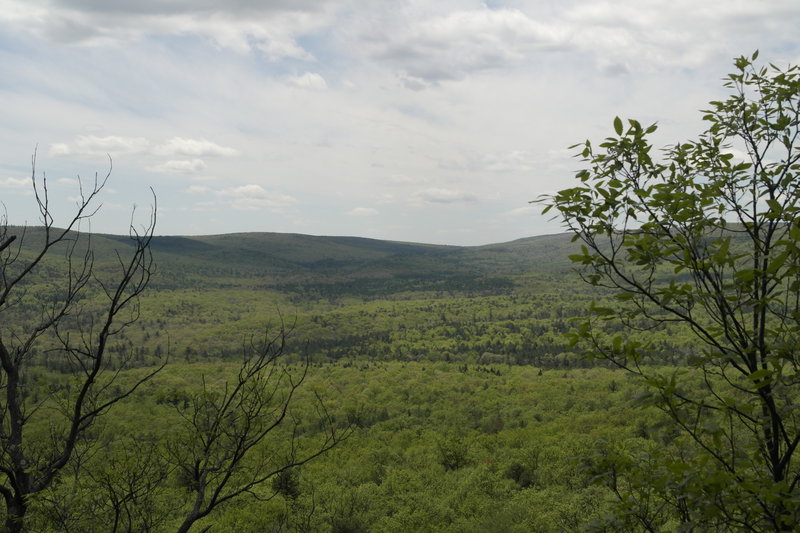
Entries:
{"x":113,"y":484}
{"x":221,"y":452}
{"x":73,"y":322}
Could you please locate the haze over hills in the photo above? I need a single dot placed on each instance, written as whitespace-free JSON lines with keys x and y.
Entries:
{"x":285,"y":260}
{"x":347,"y":296}
{"x":355,"y":265}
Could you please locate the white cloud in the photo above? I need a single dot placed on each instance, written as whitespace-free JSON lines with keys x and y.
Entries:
{"x":94,"y":145}
{"x":176,"y":146}
{"x":90,"y":144}
{"x":194,"y":147}
{"x":253,"y":197}
{"x":271,"y":28}
{"x":510,"y":161}
{"x":284,"y":46}
{"x":362,"y":212}
{"x":242,"y":191}
{"x":444,"y":196}
{"x":513,"y":161}
{"x":680,"y":33}
{"x":179,"y":166}
{"x":16,"y":183}
{"x":527,"y":210}
{"x":502,"y":88}
{"x":57,"y":149}
{"x":451,"y":46}
{"x":402,"y":179}
{"x":308,"y":80}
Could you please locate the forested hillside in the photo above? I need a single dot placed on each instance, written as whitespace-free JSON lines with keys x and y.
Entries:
{"x":432,"y":371}
{"x":362,"y":299}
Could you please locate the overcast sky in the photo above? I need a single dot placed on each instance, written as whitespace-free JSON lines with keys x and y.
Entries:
{"x":415,"y":120}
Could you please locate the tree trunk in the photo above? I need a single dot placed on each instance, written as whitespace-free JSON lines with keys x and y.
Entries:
{"x":187,"y":524}
{"x":15,"y":520}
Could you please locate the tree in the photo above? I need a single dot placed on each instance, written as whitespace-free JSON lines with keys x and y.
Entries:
{"x":707,"y":239}
{"x":220,"y":453}
{"x":229,"y":439}
{"x":65,"y":312}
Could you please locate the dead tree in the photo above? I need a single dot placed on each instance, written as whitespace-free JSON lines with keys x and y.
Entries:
{"x":74,"y":322}
{"x":221,"y":453}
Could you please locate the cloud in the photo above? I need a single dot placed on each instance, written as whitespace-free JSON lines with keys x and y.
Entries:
{"x":271,"y":28}
{"x":500,"y":162}
{"x":179,"y":166}
{"x":427,"y":44}
{"x":253,"y":197}
{"x":513,"y":161}
{"x":362,"y":212}
{"x":501,"y":86}
{"x":112,"y":144}
{"x":460,"y":43}
{"x":57,"y":149}
{"x":308,"y":80}
{"x":628,"y":34}
{"x":177,"y":146}
{"x":527,"y":210}
{"x":194,"y":147}
{"x":444,"y":196}
{"x":93,"y":145}
{"x":16,"y":183}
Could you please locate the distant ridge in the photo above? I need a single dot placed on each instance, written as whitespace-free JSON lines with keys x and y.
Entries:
{"x":297,"y":262}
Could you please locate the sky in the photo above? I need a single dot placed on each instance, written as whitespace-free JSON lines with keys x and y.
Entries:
{"x":433,"y":121}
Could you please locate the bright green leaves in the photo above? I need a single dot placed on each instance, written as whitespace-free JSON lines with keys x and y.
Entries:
{"x":761,"y":378}
{"x":775,"y":209}
{"x":708,"y":237}
{"x":723,"y":246}
{"x":614,"y":191}
{"x":742,"y":62}
{"x":781,"y":123}
{"x":618,"y":125}
{"x":583,"y":258}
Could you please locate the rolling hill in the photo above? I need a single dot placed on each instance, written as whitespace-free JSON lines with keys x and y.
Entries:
{"x":290,"y":261}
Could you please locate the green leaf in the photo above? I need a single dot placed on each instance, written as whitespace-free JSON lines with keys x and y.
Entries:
{"x":745,"y":276}
{"x":777,"y":262}
{"x":722,"y":252}
{"x":618,"y":125}
{"x":761,"y":378}
{"x":616,"y":343}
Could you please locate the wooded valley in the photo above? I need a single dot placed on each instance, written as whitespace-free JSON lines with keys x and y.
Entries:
{"x":445,"y":370}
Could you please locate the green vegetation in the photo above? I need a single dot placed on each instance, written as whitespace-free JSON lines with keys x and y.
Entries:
{"x":437,"y":447}
{"x":465,"y":412}
{"x":336,"y":384}
{"x":707,"y":241}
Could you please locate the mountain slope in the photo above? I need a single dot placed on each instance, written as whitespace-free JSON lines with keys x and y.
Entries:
{"x":318,"y":265}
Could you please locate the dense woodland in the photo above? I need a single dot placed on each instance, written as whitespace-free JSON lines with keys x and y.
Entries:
{"x":462,"y":405}
{"x":508,"y":303}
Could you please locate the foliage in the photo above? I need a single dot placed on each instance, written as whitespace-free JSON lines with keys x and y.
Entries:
{"x":527,"y":475}
{"x":707,"y":238}
{"x":66,"y":310}
{"x":219,"y":451}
